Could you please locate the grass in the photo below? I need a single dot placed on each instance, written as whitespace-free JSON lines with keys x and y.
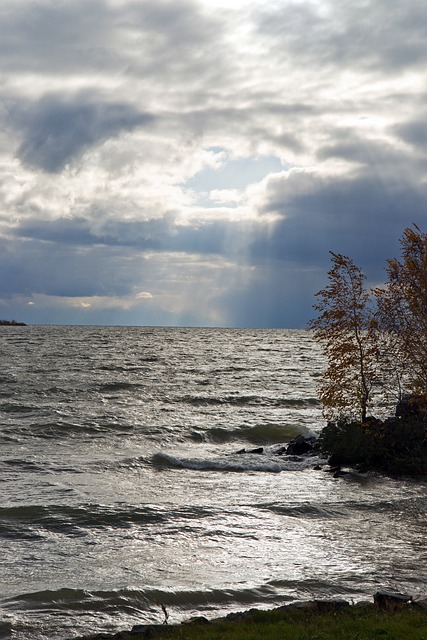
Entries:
{"x":353,"y":623}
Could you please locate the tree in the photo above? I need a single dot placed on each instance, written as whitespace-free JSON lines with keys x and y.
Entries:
{"x":347,"y":329}
{"x":402,"y":312}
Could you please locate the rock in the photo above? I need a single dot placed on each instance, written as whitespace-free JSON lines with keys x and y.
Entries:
{"x":420,"y":601}
{"x":390,"y":601}
{"x":300,"y":446}
{"x":333,"y":469}
{"x":257,"y":450}
{"x":321,"y":606}
{"x":197,"y":620}
{"x":331,"y":606}
{"x":334,"y":460}
{"x":241,"y":615}
{"x":339,"y":473}
{"x":281,"y":451}
{"x":150,"y":630}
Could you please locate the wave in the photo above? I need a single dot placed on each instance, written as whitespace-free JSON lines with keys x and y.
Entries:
{"x":8,"y":379}
{"x":131,"y":600}
{"x":273,"y":433}
{"x":51,"y":430}
{"x":307,"y":511}
{"x":266,"y":433}
{"x":95,"y":611}
{"x":16,"y":407}
{"x":33,"y":520}
{"x":343,"y":510}
{"x":36,"y":521}
{"x":111,"y":387}
{"x":249,"y":400}
{"x":22,"y":465}
{"x":61,"y":613}
{"x":63,"y":428}
{"x":236,"y":463}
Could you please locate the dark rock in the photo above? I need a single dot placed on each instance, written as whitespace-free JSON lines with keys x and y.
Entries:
{"x":390,"y":601}
{"x":300,"y":446}
{"x":197,"y":620}
{"x":322,"y":606}
{"x":139,"y":628}
{"x":242,"y":615}
{"x":335,"y":461}
{"x":362,"y":468}
{"x":281,"y":451}
{"x":420,"y":601}
{"x":339,"y":473}
{"x":150,"y":631}
{"x":257,"y":450}
{"x":331,"y":606}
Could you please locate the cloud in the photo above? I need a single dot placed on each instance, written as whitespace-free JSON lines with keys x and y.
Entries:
{"x":372,"y":36}
{"x":58,"y":130}
{"x":356,"y":214}
{"x":413,"y":132}
{"x":208,"y":155}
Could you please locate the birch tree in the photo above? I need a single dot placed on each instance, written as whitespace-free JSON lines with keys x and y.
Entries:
{"x":402,"y":311}
{"x":347,"y":329}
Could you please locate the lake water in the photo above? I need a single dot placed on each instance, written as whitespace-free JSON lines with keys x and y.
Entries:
{"x":122,"y":488}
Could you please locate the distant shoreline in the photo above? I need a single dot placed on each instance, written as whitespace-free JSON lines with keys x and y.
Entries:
{"x":11,"y":323}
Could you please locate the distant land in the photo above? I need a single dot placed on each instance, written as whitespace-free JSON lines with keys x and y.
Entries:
{"x":12,"y":323}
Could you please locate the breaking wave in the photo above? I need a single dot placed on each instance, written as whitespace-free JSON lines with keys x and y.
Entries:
{"x":238,"y":462}
{"x":268,"y":433}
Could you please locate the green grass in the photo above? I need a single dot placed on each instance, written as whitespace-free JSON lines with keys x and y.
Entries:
{"x":355,"y":623}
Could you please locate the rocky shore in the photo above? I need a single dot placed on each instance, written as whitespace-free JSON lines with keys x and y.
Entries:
{"x":384,"y":603}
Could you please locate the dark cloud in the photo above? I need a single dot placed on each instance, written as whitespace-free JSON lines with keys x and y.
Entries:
{"x":79,"y":232}
{"x":360,"y":216}
{"x":414,"y":132}
{"x":350,"y":145}
{"x":182,"y":25}
{"x":159,"y":234}
{"x":154,"y":38}
{"x":60,"y":270}
{"x":371,"y":35}
{"x":57,"y":37}
{"x":57,"y":130}
{"x":73,"y":231}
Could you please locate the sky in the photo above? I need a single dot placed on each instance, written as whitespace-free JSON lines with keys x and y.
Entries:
{"x":193,"y":162}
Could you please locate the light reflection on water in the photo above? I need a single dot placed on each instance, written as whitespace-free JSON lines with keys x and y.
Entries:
{"x":94,"y":523}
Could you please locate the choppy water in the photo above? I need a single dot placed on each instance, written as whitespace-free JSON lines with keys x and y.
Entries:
{"x":121,"y":488}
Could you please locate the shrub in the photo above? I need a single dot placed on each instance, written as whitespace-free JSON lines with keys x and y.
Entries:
{"x":396,"y":445}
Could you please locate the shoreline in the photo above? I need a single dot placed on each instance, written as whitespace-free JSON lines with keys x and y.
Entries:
{"x":326,"y":616}
{"x":12,"y":323}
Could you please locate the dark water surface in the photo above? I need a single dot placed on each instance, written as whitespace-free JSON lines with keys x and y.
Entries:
{"x":121,"y":488}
